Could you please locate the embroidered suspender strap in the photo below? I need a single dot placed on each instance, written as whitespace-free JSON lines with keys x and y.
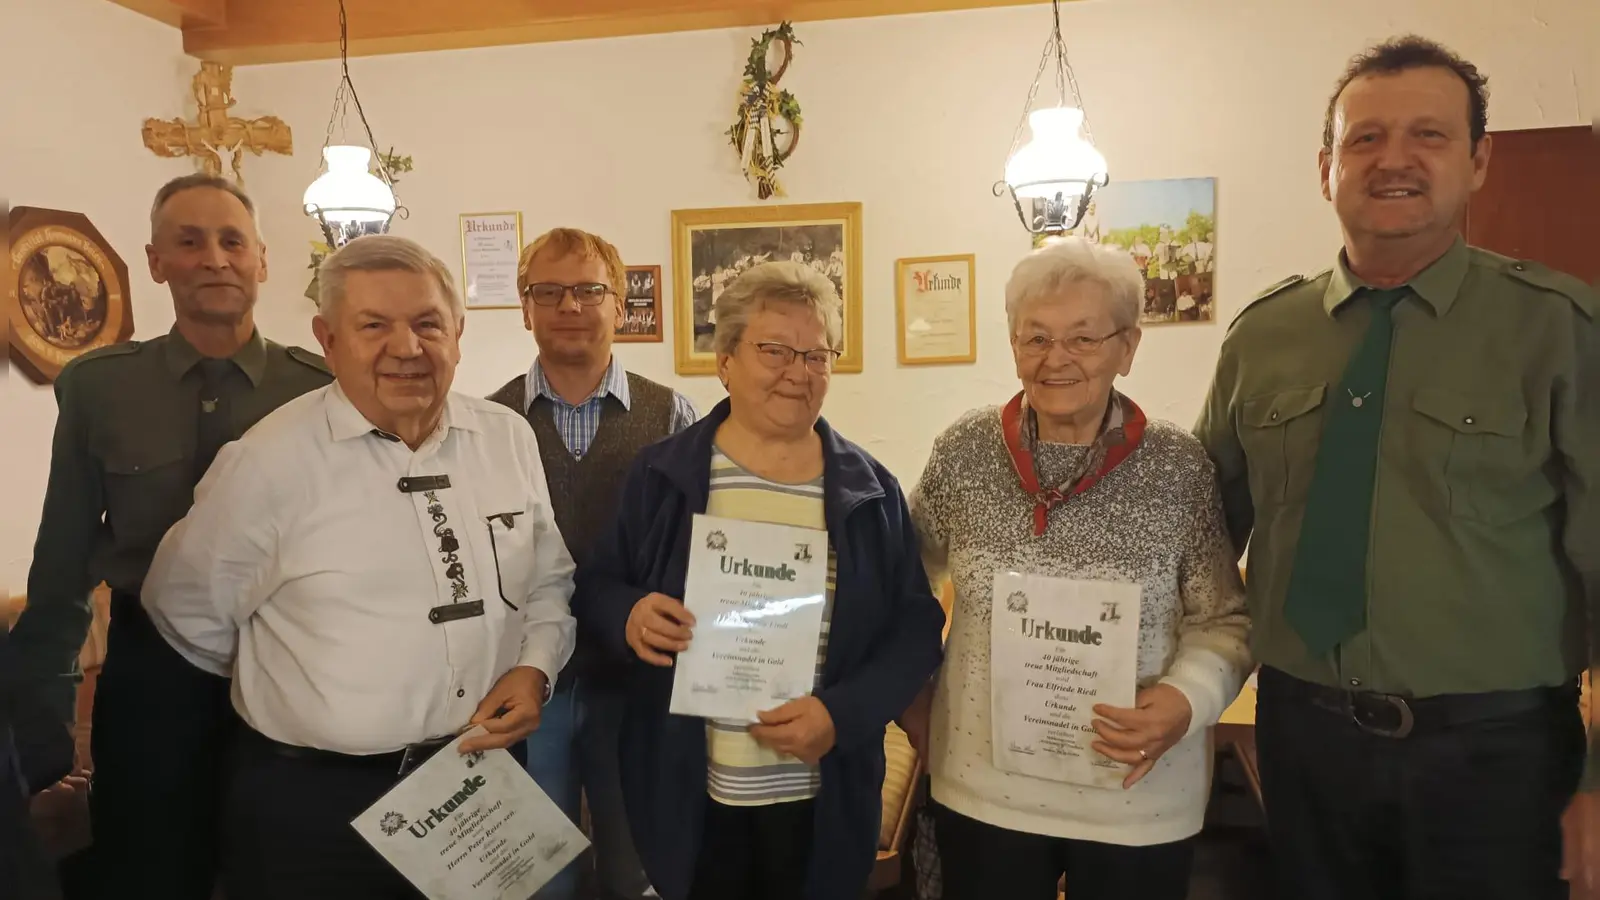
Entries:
{"x":1117,"y":445}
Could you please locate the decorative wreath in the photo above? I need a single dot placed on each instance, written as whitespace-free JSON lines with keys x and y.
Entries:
{"x":767,"y":128}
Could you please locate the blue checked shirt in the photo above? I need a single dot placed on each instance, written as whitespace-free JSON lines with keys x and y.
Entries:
{"x":578,"y":424}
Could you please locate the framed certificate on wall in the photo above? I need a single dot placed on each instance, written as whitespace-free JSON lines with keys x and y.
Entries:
{"x":490,"y":245}
{"x":936,"y":304}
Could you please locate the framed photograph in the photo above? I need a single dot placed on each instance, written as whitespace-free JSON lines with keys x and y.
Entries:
{"x":490,"y":245}
{"x":68,"y":292}
{"x":936,"y":310}
{"x":711,"y":247}
{"x":1170,"y":228}
{"x":641,"y":307}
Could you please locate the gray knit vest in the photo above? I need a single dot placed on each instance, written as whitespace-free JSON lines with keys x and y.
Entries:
{"x":584,"y":491}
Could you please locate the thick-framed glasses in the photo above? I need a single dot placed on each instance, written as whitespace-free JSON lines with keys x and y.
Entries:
{"x":781,"y":356}
{"x":549,"y":293}
{"x":1078,"y":345}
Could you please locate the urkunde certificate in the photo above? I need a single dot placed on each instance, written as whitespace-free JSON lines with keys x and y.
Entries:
{"x":472,"y":827}
{"x":757,"y":592}
{"x":1058,"y":646}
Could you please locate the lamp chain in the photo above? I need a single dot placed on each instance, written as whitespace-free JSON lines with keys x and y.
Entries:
{"x":347,"y":93}
{"x":1055,"y":46}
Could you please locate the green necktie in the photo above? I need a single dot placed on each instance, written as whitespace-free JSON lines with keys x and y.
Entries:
{"x":1327,"y":598}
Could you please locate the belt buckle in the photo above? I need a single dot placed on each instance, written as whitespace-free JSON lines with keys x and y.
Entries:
{"x":416,"y":754}
{"x":1407,"y":720}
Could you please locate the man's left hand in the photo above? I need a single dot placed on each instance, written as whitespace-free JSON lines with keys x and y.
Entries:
{"x":511,"y":710}
{"x":1139,"y":736}
{"x":801,"y":728}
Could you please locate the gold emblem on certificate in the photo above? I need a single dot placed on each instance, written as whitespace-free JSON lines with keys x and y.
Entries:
{"x":1058,"y":647}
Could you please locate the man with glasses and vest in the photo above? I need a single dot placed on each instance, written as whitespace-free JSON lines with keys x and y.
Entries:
{"x":591,"y":417}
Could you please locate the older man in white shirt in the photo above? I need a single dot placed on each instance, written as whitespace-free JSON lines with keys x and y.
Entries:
{"x":377,"y":567}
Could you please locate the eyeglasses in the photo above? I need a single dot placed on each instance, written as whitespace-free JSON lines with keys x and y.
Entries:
{"x":548,"y":293}
{"x":1077,"y":345}
{"x":781,"y":356}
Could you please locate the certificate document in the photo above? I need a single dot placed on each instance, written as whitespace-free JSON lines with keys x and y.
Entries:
{"x":1057,"y":647}
{"x":757,"y":592}
{"x":491,"y":244}
{"x":472,"y":827}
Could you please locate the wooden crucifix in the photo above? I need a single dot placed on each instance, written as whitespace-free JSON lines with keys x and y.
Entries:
{"x":215,"y":132}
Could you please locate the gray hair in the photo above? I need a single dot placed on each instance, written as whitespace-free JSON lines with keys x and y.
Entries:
{"x":381,"y":253}
{"x":201,"y":180}
{"x":776,"y":282}
{"x":1070,"y":261}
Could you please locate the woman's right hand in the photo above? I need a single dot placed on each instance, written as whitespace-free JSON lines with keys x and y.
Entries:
{"x":659,"y":623}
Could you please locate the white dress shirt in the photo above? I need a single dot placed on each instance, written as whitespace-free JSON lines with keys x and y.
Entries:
{"x":306,"y":574}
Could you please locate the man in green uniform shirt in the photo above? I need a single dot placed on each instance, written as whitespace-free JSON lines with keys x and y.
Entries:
{"x":1410,"y":443}
{"x":138,"y":424}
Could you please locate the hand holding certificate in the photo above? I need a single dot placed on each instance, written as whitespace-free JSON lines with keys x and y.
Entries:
{"x":758,"y":592}
{"x":471,"y":826}
{"x":1058,"y":648}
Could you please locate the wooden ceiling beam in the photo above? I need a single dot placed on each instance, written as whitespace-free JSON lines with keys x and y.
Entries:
{"x":183,"y":14}
{"x":267,"y":31}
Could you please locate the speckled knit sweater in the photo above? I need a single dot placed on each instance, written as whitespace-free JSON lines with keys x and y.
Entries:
{"x":1155,"y":519}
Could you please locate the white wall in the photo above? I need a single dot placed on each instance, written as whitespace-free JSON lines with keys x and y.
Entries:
{"x":69,"y":139}
{"x":912,"y":116}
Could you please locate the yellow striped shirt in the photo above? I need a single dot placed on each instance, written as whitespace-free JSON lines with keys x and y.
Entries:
{"x":739,"y":771}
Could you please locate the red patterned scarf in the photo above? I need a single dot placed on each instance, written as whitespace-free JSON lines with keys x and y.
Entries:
{"x":1119,"y":437}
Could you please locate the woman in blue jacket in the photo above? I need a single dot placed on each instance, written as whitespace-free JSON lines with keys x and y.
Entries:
{"x":790,"y":807}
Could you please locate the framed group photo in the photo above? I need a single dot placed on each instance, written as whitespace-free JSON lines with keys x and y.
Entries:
{"x":711,"y":247}
{"x":641,"y":307}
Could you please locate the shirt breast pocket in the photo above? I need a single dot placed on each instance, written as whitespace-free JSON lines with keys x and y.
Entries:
{"x":1279,"y":433}
{"x":513,"y":540}
{"x":1474,"y":445}
{"x":146,"y":490}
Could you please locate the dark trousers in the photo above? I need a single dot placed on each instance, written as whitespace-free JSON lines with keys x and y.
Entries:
{"x":286,"y":831}
{"x":985,"y":862}
{"x":286,"y":828}
{"x":1465,"y":812}
{"x":749,"y":852}
{"x":160,"y":734}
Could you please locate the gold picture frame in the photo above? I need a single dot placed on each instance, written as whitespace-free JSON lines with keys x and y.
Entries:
{"x":943,"y":295}
{"x":709,"y":247}
{"x":491,"y":247}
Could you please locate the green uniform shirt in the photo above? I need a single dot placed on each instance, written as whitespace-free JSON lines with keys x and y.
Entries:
{"x":1485,"y":538}
{"x":122,"y":471}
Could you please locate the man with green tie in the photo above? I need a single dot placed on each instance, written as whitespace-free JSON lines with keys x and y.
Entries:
{"x":137,"y":426}
{"x":1410,"y":444}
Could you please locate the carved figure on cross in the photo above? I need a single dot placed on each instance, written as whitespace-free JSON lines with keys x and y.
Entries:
{"x":215,"y":132}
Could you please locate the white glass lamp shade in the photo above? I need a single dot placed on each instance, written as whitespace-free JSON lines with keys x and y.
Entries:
{"x":1058,"y":161}
{"x":347,"y":199}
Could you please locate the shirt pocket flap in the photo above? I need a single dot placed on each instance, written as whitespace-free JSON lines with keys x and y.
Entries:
{"x":1472,"y":413}
{"x":1273,"y":410}
{"x":139,"y":460}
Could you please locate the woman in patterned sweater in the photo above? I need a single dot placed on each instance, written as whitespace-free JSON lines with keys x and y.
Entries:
{"x":1069,"y":480}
